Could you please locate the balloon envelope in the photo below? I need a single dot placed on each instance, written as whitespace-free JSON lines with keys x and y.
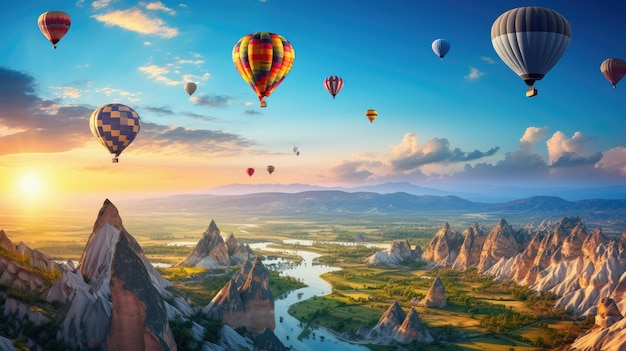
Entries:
{"x":441,"y":47}
{"x":530,"y":40}
{"x":263,"y":60}
{"x":53,"y":25}
{"x":190,"y":88}
{"x":270,"y":169}
{"x":115,"y":126}
{"x":371,"y":115}
{"x":250,"y":171}
{"x":613,"y":69}
{"x":333,"y":85}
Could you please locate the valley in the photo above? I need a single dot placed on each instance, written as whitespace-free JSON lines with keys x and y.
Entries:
{"x":481,"y":314}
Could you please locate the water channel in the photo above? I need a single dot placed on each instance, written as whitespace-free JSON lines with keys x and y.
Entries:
{"x":289,"y":328}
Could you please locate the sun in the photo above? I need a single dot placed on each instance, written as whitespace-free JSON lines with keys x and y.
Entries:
{"x":30,"y":184}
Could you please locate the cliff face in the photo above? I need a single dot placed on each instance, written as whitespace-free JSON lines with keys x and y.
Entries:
{"x":246,"y":300}
{"x":212,"y":251}
{"x":138,"y":315}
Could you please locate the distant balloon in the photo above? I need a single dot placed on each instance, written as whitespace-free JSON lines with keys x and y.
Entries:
{"x":115,"y":126}
{"x":263,"y":60}
{"x":250,"y":171}
{"x":371,"y":115}
{"x":530,"y":40}
{"x":270,"y":169}
{"x":333,"y":85}
{"x":613,"y":69}
{"x":295,"y":150}
{"x":53,"y":25}
{"x":190,"y":87}
{"x":441,"y":47}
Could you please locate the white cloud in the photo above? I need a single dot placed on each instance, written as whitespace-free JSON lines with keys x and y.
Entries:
{"x":489,"y":60}
{"x":156,"y":6}
{"x":98,"y":4}
{"x":531,"y":136}
{"x":614,"y":161}
{"x":559,"y":145}
{"x":137,"y":21}
{"x":153,"y":71}
{"x":474,"y":74}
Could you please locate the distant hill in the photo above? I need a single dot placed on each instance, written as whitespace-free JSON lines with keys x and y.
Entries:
{"x":328,"y":204}
{"x":474,"y":192}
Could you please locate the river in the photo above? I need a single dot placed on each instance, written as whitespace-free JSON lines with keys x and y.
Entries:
{"x":290,"y":328}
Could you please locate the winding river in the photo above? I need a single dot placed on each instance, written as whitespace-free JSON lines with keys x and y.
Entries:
{"x":290,"y":328}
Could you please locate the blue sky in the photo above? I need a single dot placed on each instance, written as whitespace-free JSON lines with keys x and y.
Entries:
{"x":461,"y":120}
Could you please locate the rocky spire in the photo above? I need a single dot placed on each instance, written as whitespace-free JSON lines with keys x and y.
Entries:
{"x":469,"y":253}
{"x":444,"y":247}
{"x":436,"y":296}
{"x":412,"y":329}
{"x":501,"y":242}
{"x":212,"y":251}
{"x":388,"y":323}
{"x":246,"y":302}
{"x":268,"y":341}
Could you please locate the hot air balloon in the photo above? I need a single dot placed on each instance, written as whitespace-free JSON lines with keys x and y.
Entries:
{"x":263,"y":60}
{"x":441,"y":47}
{"x":250,"y":171}
{"x":295,"y":151}
{"x":333,"y":85}
{"x":530,"y":40}
{"x":54,"y":25}
{"x":371,"y":115}
{"x":190,"y":87}
{"x":115,"y":126}
{"x":270,"y":169}
{"x":613,"y":69}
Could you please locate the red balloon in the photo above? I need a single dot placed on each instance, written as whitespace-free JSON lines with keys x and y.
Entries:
{"x":250,"y":171}
{"x":54,"y":25}
{"x":613,"y":69}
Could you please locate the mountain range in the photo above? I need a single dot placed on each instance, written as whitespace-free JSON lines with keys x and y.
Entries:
{"x":327,"y":205}
{"x":473,"y":192}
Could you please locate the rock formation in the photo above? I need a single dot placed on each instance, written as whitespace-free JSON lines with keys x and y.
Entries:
{"x":24,"y":268}
{"x":115,"y":299}
{"x":213,"y":252}
{"x":609,"y":332}
{"x":501,"y":242}
{"x":469,"y":252}
{"x":246,"y":300}
{"x":444,"y":247}
{"x":396,"y":326}
{"x":412,"y":329}
{"x":385,"y":329}
{"x":436,"y":296}
{"x":268,"y":341}
{"x":398,"y":252}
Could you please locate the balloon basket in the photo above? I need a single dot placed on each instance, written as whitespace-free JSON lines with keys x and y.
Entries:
{"x":531,"y":92}
{"x":263,"y":103}
{"x":115,"y":160}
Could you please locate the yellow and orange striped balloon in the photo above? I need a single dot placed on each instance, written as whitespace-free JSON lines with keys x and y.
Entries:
{"x":263,"y":60}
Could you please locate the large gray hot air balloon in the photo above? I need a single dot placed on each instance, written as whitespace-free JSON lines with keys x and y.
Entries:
{"x":530,"y":40}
